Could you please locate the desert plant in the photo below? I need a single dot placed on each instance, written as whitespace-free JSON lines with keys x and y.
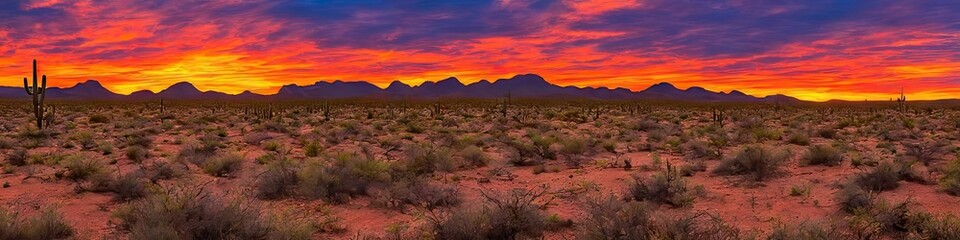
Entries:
{"x":504,"y":216}
{"x":852,"y":197}
{"x":137,"y":153}
{"x":348,"y":175}
{"x":223,"y":166}
{"x":799,"y":138}
{"x":17,"y":157}
{"x":49,"y":224}
{"x":82,"y":167}
{"x":474,"y":156}
{"x":194,"y":213}
{"x":608,"y":218}
{"x":665,"y":187}
{"x":805,"y":230}
{"x":822,"y":155}
{"x":758,"y":161}
{"x":278,"y":181}
{"x":39,"y":94}
{"x":884,"y":177}
{"x":950,"y":182}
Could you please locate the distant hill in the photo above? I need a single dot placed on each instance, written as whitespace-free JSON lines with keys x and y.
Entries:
{"x":520,"y":86}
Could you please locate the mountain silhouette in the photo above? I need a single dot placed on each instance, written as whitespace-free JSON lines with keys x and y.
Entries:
{"x":520,"y":86}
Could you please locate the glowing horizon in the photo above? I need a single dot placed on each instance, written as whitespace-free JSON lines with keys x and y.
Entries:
{"x":817,"y":51}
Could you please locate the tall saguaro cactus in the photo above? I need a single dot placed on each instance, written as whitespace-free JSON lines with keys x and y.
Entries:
{"x":39,"y":93}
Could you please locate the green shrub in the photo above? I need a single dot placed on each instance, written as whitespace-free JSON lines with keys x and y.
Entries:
{"x":758,"y":161}
{"x":99,"y":118}
{"x":822,"y":155}
{"x":852,"y":197}
{"x":311,"y":149}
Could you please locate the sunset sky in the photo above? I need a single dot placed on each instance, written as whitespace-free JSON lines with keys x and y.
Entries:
{"x":813,"y":50}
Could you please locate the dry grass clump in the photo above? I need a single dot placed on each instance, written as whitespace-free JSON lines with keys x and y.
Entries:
{"x":48,"y":224}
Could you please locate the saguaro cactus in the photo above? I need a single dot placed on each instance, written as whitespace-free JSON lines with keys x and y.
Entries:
{"x":39,"y":94}
{"x":902,"y":102}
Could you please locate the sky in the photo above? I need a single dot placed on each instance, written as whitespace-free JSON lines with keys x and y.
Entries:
{"x":810,"y":49}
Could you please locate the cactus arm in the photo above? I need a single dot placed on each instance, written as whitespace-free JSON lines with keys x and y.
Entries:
{"x":26,"y":87}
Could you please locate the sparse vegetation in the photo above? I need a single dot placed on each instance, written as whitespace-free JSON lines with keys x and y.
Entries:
{"x":758,"y":161}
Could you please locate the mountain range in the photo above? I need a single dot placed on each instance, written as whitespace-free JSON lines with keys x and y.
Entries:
{"x":520,"y":86}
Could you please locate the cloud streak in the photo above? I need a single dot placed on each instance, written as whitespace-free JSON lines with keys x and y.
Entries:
{"x":814,"y":50}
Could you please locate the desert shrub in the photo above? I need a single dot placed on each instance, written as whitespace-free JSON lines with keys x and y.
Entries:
{"x":573,"y":145}
{"x":82,"y":167}
{"x":271,"y":145}
{"x":950,"y":182}
{"x":758,"y":161}
{"x":646,"y":125}
{"x":420,"y":161}
{"x":822,"y":155}
{"x":474,"y":156}
{"x":137,"y":154}
{"x":699,"y":149}
{"x":278,"y":181}
{"x":826,"y":133}
{"x":85,"y":139}
{"x":127,"y":187}
{"x":852,"y":197}
{"x":884,"y":177}
{"x":17,"y":157}
{"x":223,"y":166}
{"x":805,"y":230}
{"x":49,"y":224}
{"x":609,"y":218}
{"x":348,"y":175}
{"x":311,"y":149}
{"x":665,"y":187}
{"x":514,"y":215}
{"x":926,"y":151}
{"x":197,"y":153}
{"x":255,"y":138}
{"x":99,"y":118}
{"x":164,"y":170}
{"x":197,"y":214}
{"x":799,"y":138}
{"x":417,"y":192}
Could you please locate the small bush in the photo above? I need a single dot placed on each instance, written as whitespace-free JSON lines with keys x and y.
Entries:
{"x":884,"y":177}
{"x":49,"y":224}
{"x":758,"y":161}
{"x":137,"y":154}
{"x":17,"y":157}
{"x":347,"y":176}
{"x":950,"y":182}
{"x":513,"y":215}
{"x":418,"y":193}
{"x":699,"y":149}
{"x":99,"y":118}
{"x":799,"y":139}
{"x":805,"y":230}
{"x":609,"y":218}
{"x":278,"y":181}
{"x":311,"y":149}
{"x":255,"y":138}
{"x":665,"y":187}
{"x":224,"y":166}
{"x":822,"y":155}
{"x":82,"y":167}
{"x":197,"y":214}
{"x":852,"y":197}
{"x":474,"y":156}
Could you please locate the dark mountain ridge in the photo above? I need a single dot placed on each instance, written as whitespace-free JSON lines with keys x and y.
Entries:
{"x":520,"y":86}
